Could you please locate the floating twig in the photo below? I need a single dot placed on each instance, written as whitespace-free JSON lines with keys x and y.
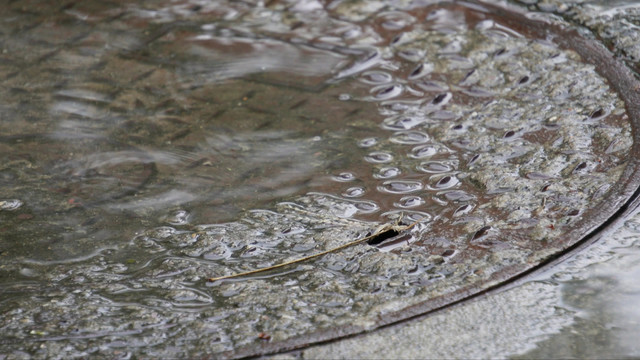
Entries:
{"x":382,"y":231}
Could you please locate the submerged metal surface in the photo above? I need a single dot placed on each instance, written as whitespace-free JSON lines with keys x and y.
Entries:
{"x":487,"y":127}
{"x":584,"y":307}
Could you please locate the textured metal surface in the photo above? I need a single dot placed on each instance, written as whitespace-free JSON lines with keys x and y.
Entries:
{"x":623,"y":81}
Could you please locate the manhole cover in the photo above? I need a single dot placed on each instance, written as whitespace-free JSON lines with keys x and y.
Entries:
{"x":500,"y":139}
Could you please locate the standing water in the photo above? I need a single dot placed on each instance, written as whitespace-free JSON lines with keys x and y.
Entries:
{"x":149,"y":146}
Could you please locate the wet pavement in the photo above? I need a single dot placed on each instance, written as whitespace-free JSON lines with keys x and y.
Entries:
{"x":149,"y":146}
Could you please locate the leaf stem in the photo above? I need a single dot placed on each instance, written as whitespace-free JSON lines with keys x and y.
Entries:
{"x":380,"y":231}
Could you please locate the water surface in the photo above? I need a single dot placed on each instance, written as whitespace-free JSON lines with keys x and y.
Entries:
{"x":149,"y":146}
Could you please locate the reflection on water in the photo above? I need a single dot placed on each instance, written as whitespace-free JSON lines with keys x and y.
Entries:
{"x":100,"y":139}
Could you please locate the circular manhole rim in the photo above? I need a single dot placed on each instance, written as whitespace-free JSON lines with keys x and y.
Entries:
{"x":594,"y":220}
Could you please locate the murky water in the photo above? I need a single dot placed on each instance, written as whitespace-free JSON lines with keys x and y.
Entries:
{"x":149,"y":146}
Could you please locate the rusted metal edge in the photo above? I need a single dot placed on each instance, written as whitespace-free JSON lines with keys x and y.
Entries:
{"x":623,"y":197}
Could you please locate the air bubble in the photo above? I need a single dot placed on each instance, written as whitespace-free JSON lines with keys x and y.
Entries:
{"x":538,"y":176}
{"x":396,"y":20}
{"x":368,"y":142}
{"x":580,"y":167}
{"x":409,"y":202}
{"x":250,"y":251}
{"x":294,"y":229}
{"x":469,"y":73}
{"x":387,"y":173}
{"x":416,"y":71}
{"x":335,"y":264}
{"x":378,"y":157}
{"x":448,"y":253}
{"x":457,"y":62}
{"x":441,"y":99}
{"x":376,"y":77}
{"x":219,"y":252}
{"x":367,"y":62}
{"x":400,"y":186}
{"x":387,"y":92}
{"x":352,"y":33}
{"x":442,"y":115}
{"x":352,"y":192}
{"x":424,"y":151}
{"x":304,"y":246}
{"x":465,"y":144}
{"x":434,"y":167}
{"x":458,"y":195}
{"x":367,"y":207}
{"x":445,"y":182}
{"x":463,"y":210}
{"x":344,"y":177}
{"x":413,"y":55}
{"x":408,"y":216}
{"x":482,"y":232}
{"x":402,"y":123}
{"x":409,"y":137}
{"x":420,"y":71}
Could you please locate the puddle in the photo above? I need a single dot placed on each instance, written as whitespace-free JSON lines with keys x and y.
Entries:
{"x":147,"y":147}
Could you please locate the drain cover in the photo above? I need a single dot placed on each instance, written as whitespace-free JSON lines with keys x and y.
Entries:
{"x":499,"y":137}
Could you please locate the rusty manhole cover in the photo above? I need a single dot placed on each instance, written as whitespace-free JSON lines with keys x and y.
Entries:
{"x":504,"y":170}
